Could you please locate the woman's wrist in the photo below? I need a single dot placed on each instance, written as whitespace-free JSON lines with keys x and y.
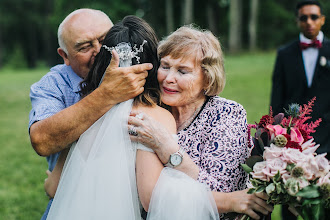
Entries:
{"x":164,"y":152}
{"x":223,"y":201}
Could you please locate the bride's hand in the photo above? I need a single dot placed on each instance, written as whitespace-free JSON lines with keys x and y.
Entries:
{"x":152,"y":134}
{"x":250,"y":204}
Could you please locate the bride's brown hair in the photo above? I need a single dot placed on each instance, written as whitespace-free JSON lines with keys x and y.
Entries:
{"x":135,"y":31}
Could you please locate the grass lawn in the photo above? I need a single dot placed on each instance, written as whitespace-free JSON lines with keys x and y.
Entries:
{"x":22,"y":171}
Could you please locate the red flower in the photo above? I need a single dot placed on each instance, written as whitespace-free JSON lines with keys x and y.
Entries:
{"x":265,"y":120}
{"x":292,"y":144}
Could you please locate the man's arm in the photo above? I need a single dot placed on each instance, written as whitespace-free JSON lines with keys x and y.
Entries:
{"x":55,"y":133}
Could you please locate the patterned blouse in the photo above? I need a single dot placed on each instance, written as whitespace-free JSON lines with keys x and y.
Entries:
{"x":217,"y":142}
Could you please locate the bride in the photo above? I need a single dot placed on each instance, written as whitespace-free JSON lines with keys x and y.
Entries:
{"x":105,"y":175}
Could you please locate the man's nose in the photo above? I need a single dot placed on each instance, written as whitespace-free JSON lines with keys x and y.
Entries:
{"x":97,"y":46}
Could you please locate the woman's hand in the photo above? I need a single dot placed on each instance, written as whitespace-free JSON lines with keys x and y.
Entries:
{"x":241,"y":202}
{"x":152,"y":134}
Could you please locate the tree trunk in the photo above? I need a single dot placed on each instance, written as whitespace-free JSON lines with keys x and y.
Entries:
{"x":235,"y":25}
{"x":253,"y":23}
{"x":188,"y":11}
{"x":169,"y":16}
{"x":211,"y":17}
{"x":47,"y":37}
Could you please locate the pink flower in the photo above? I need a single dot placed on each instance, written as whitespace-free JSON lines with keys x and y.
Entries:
{"x":275,"y":165}
{"x":285,"y":177}
{"x":258,"y":171}
{"x":310,"y":167}
{"x":291,"y":155}
{"x":323,"y":164}
{"x":302,"y":183}
{"x":272,"y":152}
{"x":276,"y":129}
{"x":296,"y":136}
{"x":324,"y":179}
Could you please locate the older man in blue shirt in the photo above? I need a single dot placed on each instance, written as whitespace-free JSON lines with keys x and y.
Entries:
{"x":59,"y":115}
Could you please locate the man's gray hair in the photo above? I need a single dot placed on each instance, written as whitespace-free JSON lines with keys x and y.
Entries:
{"x":61,"y":42}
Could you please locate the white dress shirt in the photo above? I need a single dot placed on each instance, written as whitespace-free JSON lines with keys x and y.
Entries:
{"x":310,"y":56}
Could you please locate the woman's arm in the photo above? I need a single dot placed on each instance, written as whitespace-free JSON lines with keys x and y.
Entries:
{"x":53,"y":179}
{"x":154,"y":134}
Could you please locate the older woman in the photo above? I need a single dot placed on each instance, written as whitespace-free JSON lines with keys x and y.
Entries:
{"x":211,"y":130}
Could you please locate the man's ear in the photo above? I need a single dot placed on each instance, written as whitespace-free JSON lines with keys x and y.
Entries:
{"x":63,"y":54}
{"x":323,"y":19}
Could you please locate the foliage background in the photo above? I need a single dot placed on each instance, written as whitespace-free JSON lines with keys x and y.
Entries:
{"x":28,"y":28}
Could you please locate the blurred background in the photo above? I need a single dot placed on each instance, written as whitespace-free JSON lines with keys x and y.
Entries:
{"x":28,"y":28}
{"x":249,"y":31}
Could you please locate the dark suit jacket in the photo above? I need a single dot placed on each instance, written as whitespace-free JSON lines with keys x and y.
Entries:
{"x":290,"y":86}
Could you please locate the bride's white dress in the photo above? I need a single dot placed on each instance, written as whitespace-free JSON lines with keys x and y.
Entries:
{"x":98,"y":179}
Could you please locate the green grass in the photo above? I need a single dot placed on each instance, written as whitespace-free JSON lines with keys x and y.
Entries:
{"x":22,"y":171}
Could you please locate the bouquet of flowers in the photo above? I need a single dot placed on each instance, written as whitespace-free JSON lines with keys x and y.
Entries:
{"x":284,"y":163}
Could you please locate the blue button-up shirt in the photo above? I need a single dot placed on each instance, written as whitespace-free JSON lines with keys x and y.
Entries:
{"x":54,"y":92}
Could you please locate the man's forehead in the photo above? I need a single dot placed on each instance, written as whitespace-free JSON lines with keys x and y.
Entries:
{"x":309,"y":9}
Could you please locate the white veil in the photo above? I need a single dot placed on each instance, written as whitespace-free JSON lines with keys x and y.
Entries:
{"x":98,"y":179}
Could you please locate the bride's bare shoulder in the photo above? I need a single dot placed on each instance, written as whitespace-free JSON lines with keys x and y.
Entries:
{"x":159,"y":114}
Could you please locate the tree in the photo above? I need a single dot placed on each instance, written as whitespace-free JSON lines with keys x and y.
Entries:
{"x":169,"y":16}
{"x":235,"y":25}
{"x":187,"y":11}
{"x":253,"y":21}
{"x":210,"y":15}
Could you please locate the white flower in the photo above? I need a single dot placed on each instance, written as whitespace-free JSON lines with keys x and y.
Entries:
{"x":272,"y":152}
{"x":291,"y":155}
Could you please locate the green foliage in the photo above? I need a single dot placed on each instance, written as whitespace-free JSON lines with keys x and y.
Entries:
{"x":246,"y":168}
{"x":32,"y":24}
{"x":309,"y":192}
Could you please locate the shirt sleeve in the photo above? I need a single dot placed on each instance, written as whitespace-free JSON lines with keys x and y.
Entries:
{"x":46,"y":99}
{"x":225,"y":150}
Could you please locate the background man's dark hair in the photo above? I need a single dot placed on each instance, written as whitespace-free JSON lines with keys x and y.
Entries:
{"x":307,"y":2}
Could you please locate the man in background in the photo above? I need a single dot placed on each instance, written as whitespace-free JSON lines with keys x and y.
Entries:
{"x":299,"y":74}
{"x":59,"y":115}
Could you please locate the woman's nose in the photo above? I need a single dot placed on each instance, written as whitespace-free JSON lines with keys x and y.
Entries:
{"x":170,"y":77}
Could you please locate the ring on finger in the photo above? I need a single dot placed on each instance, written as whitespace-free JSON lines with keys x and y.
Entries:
{"x":132,"y":131}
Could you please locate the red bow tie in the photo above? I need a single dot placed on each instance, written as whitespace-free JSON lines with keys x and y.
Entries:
{"x":315,"y":43}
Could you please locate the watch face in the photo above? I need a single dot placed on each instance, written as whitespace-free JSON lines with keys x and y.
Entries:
{"x":176,"y":159}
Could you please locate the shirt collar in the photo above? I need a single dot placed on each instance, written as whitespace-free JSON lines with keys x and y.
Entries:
{"x":74,"y":79}
{"x":304,"y":39}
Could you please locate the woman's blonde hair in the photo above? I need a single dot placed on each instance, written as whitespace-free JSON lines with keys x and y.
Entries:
{"x":190,"y":41}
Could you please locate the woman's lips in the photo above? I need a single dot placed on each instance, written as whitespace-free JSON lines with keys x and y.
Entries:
{"x":169,"y":91}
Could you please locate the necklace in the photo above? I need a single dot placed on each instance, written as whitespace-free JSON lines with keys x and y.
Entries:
{"x":190,"y":119}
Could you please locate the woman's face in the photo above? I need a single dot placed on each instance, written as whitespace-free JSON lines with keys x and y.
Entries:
{"x":181,"y":81}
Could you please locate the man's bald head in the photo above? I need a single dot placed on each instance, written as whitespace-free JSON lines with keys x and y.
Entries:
{"x":91,"y":14}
